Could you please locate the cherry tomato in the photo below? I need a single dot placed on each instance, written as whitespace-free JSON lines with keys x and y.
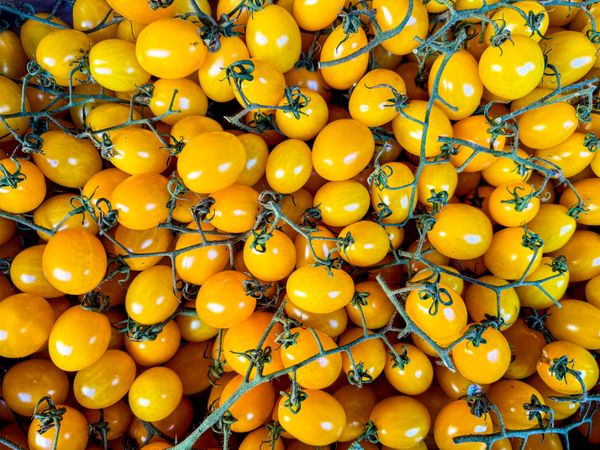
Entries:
{"x":140,"y":11}
{"x":265,"y":86}
{"x":223,"y":301}
{"x":504,"y":170}
{"x":153,"y":240}
{"x":52,"y":212}
{"x":288,"y":166}
{"x":118,"y":417}
{"x":369,"y":354}
{"x":513,"y":204}
{"x":483,"y":359}
{"x":401,"y":421}
{"x":318,"y":289}
{"x":198,"y":263}
{"x":581,"y":254}
{"x":150,"y":298}
{"x":512,"y":19}
{"x":183,"y":96}
{"x":312,"y":115}
{"x":410,"y":372}
{"x":482,"y":301}
{"x":25,"y":383}
{"x":508,"y":258}
{"x":27,"y":274}
{"x":390,"y":14}
{"x":113,"y":64}
{"x":342,"y":203}
{"x":246,"y":335}
{"x":320,"y":421}
{"x":442,"y":319}
{"x":456,"y":419}
{"x":475,"y":129}
{"x":548,"y":125}
{"x":273,"y":35}
{"x":191,"y":363}
{"x":409,"y":128}
{"x":453,"y":383}
{"x":29,"y":319}
{"x":526,"y":348}
{"x":510,"y":397}
{"x":309,"y":79}
{"x":106,"y":381}
{"x":88,"y":14}
{"x":12,"y":55}
{"x":458,"y":84}
{"x":571,"y":53}
{"x":365,"y":243}
{"x":141,"y":201}
{"x":252,"y":408}
{"x":357,"y":404}
{"x":315,"y":15}
{"x":176,"y":57}
{"x":338,"y":45}
{"x":155,"y":394}
{"x":66,"y":160}
{"x":553,"y":288}
{"x":561,"y":409}
{"x":72,"y":434}
{"x":513,"y":69}
{"x":571,"y":156}
{"x":461,"y":232}
{"x":588,"y":191}
{"x":149,"y":353}
{"x":59,"y":52}
{"x":203,"y":170}
{"x":28,"y":192}
{"x":575,"y":321}
{"x":257,"y":154}
{"x":78,"y":339}
{"x":391,"y":200}
{"x":321,"y":243}
{"x":577,"y":359}
{"x":271,"y":260}
{"x":436,"y":179}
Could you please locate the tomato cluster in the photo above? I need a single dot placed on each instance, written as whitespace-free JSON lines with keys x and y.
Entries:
{"x":300,"y":224}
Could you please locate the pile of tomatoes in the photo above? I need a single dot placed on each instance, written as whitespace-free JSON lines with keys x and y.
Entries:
{"x":300,"y":224}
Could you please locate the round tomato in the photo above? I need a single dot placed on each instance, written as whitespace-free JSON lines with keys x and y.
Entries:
{"x":391,"y":13}
{"x":515,"y":204}
{"x":106,"y":381}
{"x":512,"y":69}
{"x":408,"y":369}
{"x":25,"y":383}
{"x":183,"y":96}
{"x":265,"y":85}
{"x":270,"y":257}
{"x":509,"y":258}
{"x":461,"y":232}
{"x":113,"y":64}
{"x":155,"y":394}
{"x":483,"y":301}
{"x":27,"y":191}
{"x":505,"y":170}
{"x":436,"y":179}
{"x":554,"y":286}
{"x":78,"y":339}
{"x":288,"y":166}
{"x":252,"y":408}
{"x":363,"y":243}
{"x":311,"y":116}
{"x":137,"y":151}
{"x":392,"y":195}
{"x":511,"y":398}
{"x":72,"y":433}
{"x":151,"y":352}
{"x":456,"y":419}
{"x":59,"y":52}
{"x":571,"y":157}
{"x":176,"y":57}
{"x":401,"y":421}
{"x":342,"y":203}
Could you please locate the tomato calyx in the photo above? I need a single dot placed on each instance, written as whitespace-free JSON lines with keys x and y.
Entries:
{"x":400,"y":360}
{"x":519,"y":203}
{"x":591,"y":142}
{"x":95,"y":301}
{"x":477,"y":401}
{"x":157,"y":4}
{"x":369,"y":434}
{"x":99,"y":429}
{"x":537,"y":322}
{"x":257,"y":357}
{"x":295,"y":101}
{"x":48,"y":417}
{"x":434,"y":293}
{"x":294,"y":398}
{"x":255,"y":288}
{"x":358,"y":376}
{"x":476,"y":331}
{"x":559,"y":368}
{"x":531,"y":240}
{"x":538,"y":411}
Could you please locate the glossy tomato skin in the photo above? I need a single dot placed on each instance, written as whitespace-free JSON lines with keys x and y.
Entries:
{"x":581,"y":254}
{"x":483,"y":362}
{"x":455,"y":419}
{"x":266,"y":86}
{"x":337,"y":46}
{"x":461,"y":232}
{"x":514,"y":204}
{"x":573,"y":55}
{"x":139,"y":10}
{"x":289,"y":166}
{"x":276,"y":261}
{"x":390,"y":14}
{"x":10,"y":101}
{"x":579,"y":359}
{"x":588,"y":190}
{"x":378,"y":309}
{"x":27,"y":274}
{"x":510,"y":397}
{"x":548,"y":125}
{"x":313,"y":117}
{"x":526,"y":348}
{"x":411,"y":134}
{"x":149,"y":353}
{"x":571,"y":156}
{"x":342,"y":202}
{"x":52,"y":212}
{"x":113,"y":64}
{"x":392,"y":195}
{"x":357,"y":404}
{"x":72,"y":434}
{"x":106,"y":381}
{"x":370,"y":243}
{"x":222,"y":300}
{"x":28,"y":193}
{"x":320,"y":421}
{"x":184,"y":96}
{"x":192,"y":363}
{"x":458,"y":84}
{"x":507,"y":258}
{"x":153,"y":240}
{"x":74,"y":261}
{"x":274,"y":36}
{"x":498,"y":67}
{"x":575,"y":321}
{"x":436,"y":179}
{"x":369,"y":353}
{"x":150,"y":298}
{"x":29,"y":321}
{"x":155,"y":394}
{"x":401,"y":421}
{"x":28,"y":381}
{"x":66,"y":160}
{"x":313,"y":16}
{"x":60,"y":51}
{"x":202,"y":170}
{"x":483,"y":301}
{"x":412,"y":374}
{"x":141,"y":201}
{"x":212,"y":71}
{"x":12,"y":55}
{"x":475,"y":129}
{"x":554,"y":287}
{"x":78,"y":338}
{"x":118,"y":417}
{"x":253,"y":408}
{"x":553,"y":225}
{"x":176,"y":57}
{"x":319,"y":290}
